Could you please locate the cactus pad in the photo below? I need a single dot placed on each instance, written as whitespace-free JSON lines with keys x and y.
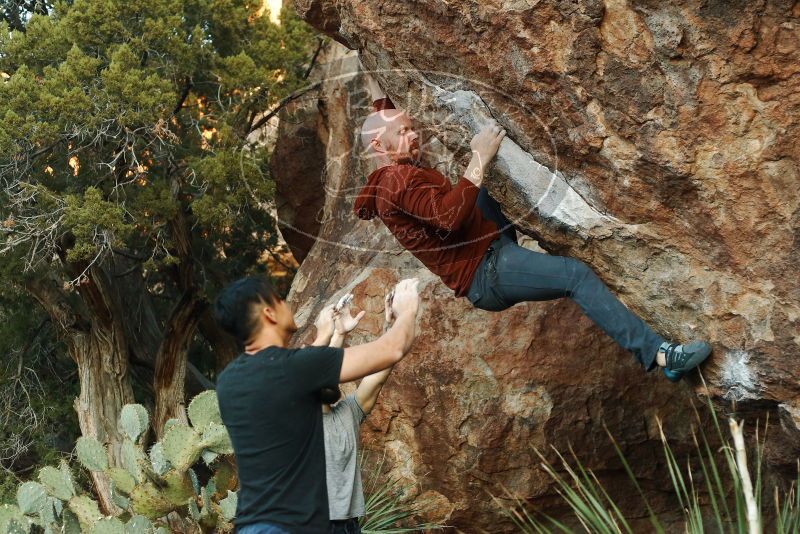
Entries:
{"x":148,"y":501}
{"x":157,"y":459}
{"x":133,"y":420}
{"x":138,"y":524}
{"x":132,"y":457}
{"x":179,"y":488}
{"x":86,"y":510}
{"x":108,"y":525}
{"x":122,"y":479}
{"x":181,"y":446}
{"x":91,"y":454}
{"x":57,"y":483}
{"x":204,"y":409}
{"x":216,"y":439}
{"x":31,"y":497}
{"x":228,"y":505}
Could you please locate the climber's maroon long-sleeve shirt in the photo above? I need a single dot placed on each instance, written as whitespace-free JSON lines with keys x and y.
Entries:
{"x":437,"y":222}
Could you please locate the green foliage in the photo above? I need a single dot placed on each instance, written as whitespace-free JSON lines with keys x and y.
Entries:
{"x":204,"y":410}
{"x":91,"y":454}
{"x":121,"y":114}
{"x":31,"y":498}
{"x":388,"y":506}
{"x":134,"y":420}
{"x":714,"y":499}
{"x":143,"y":494}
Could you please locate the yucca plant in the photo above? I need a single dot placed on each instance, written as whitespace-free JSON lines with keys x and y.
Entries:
{"x":734,"y":497}
{"x":388,"y":510}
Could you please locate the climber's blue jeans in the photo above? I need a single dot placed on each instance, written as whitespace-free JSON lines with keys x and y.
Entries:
{"x":509,"y":274}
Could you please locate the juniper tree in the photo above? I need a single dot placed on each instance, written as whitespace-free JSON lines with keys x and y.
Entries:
{"x":133,"y":180}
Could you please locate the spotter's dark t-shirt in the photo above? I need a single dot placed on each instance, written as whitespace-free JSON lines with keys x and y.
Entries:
{"x":269,"y":403}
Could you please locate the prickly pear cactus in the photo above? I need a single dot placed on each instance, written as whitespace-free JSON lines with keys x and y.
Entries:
{"x":122,"y":479}
{"x":147,"y":500}
{"x":91,"y":454}
{"x":86,"y":510}
{"x":58,"y":482}
{"x":158,"y":460}
{"x":139,"y":525}
{"x":133,"y":420}
{"x":146,"y":487}
{"x":31,"y":498}
{"x":204,"y":409}
{"x":216,"y":439}
{"x":108,"y":525}
{"x":182,"y":447}
{"x":13,"y":520}
{"x":133,"y":459}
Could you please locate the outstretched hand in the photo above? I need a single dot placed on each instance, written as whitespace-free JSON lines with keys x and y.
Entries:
{"x":344,"y":322}
{"x":406,"y":297}
{"x":486,"y":143}
{"x":325,"y":323}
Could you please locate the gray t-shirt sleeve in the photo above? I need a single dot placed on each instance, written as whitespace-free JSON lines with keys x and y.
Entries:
{"x":354,"y":409}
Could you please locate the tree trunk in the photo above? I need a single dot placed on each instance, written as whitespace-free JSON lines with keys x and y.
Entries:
{"x":171,"y":361}
{"x":223,"y":344}
{"x":97,"y":345}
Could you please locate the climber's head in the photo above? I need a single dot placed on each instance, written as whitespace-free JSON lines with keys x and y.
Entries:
{"x":388,"y":134}
{"x":254,"y":314}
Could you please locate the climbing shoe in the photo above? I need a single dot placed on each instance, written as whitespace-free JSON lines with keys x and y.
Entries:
{"x":672,"y":376}
{"x":683,"y":358}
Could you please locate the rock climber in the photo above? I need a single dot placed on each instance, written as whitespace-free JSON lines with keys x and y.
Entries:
{"x":460,"y":234}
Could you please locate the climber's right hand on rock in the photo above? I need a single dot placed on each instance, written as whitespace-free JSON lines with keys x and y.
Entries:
{"x":406,"y":298}
{"x":486,"y":143}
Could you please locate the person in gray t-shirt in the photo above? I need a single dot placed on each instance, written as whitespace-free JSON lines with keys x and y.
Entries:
{"x":341,"y":423}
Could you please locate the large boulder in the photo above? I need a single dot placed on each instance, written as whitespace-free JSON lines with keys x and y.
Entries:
{"x":462,"y":415}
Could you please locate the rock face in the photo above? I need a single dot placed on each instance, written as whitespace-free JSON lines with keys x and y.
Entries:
{"x":461,"y":415}
{"x":656,"y":141}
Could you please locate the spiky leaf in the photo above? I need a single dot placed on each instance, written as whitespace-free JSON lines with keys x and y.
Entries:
{"x":157,"y":459}
{"x":58,"y":505}
{"x":225,"y":476}
{"x":108,"y":525}
{"x":204,"y":409}
{"x":46,"y":513}
{"x":170,"y":423}
{"x":209,"y":456}
{"x":70,"y":523}
{"x":181,"y":446}
{"x":11,"y":515}
{"x":138,"y":524}
{"x":132,"y":457}
{"x":133,"y":420}
{"x":15,"y":526}
{"x":178,"y":487}
{"x":148,"y":501}
{"x":194,"y":513}
{"x":122,"y":479}
{"x":86,"y":511}
{"x":211,"y":489}
{"x":31,"y":497}
{"x":228,"y":505}
{"x":195,"y":481}
{"x":57,"y":483}
{"x":119,"y":498}
{"x":91,"y":454}
{"x":216,"y":439}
